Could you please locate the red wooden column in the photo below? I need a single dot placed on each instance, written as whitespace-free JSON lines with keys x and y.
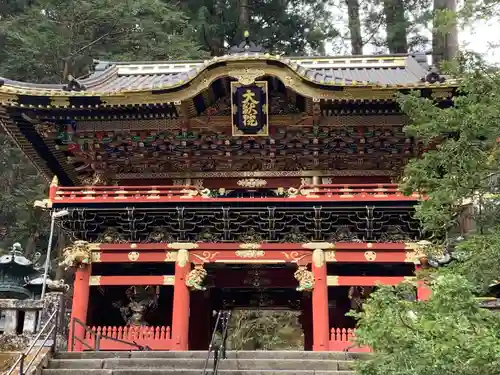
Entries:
{"x":180,"y":313}
{"x":321,"y":326}
{"x":423,"y":290}
{"x":81,"y":291}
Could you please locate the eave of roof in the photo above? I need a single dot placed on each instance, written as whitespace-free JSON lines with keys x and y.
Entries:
{"x":374,"y":72}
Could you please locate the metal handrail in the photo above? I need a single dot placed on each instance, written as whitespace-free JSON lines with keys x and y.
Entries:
{"x":22,"y":357}
{"x":98,"y":338}
{"x":222,"y":317}
{"x":221,"y":354}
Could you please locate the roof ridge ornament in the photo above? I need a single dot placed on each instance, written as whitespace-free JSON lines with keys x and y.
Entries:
{"x":73,"y":85}
{"x":433,"y":76}
{"x":246,"y":46}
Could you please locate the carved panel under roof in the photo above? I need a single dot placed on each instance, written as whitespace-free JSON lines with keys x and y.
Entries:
{"x":288,"y":148}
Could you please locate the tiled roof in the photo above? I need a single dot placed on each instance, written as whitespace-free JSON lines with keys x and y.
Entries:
{"x":109,"y":77}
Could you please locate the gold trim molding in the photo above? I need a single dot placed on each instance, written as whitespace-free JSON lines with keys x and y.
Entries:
{"x":168,"y":280}
{"x":182,"y":245}
{"x":95,"y":280}
{"x":318,"y":245}
{"x":332,"y":280}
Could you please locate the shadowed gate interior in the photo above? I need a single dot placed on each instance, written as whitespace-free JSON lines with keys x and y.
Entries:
{"x":268,"y":312}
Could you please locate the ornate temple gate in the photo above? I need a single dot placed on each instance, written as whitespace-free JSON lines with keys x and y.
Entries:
{"x":250,"y":158}
{"x":310,"y":260}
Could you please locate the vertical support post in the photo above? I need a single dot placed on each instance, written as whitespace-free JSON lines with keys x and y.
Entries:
{"x":53,"y":188}
{"x":321,"y":326}
{"x":11,"y":318}
{"x":79,"y":309}
{"x":180,"y":313}
{"x":423,"y":290}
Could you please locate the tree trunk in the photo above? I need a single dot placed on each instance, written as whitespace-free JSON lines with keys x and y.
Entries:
{"x":396,"y":26}
{"x":244,"y":15}
{"x":354,"y":27}
{"x":444,"y":42}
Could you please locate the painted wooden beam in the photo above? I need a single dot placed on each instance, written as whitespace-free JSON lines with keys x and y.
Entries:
{"x":366,"y":280}
{"x":131,"y":280}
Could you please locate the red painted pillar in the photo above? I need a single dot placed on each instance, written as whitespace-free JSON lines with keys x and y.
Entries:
{"x":81,"y":290}
{"x":423,"y":290}
{"x":321,"y":326}
{"x":180,"y":313}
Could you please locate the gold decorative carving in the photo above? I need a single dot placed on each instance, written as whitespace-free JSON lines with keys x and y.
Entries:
{"x":318,"y":258}
{"x":43,"y":203}
{"x":369,"y":245}
{"x":252,"y":183}
{"x":182,"y":257}
{"x":168,"y":280}
{"x":318,"y":245}
{"x":205,"y":256}
{"x":305,"y":279}
{"x":182,"y":245}
{"x":59,"y":101}
{"x":55,"y":181}
{"x":133,"y":245}
{"x":294,"y":256}
{"x":250,"y":246}
{"x":196,"y":278}
{"x":370,"y":256}
{"x":332,"y":280}
{"x":95,"y":256}
{"x":133,"y":256}
{"x":414,"y":257}
{"x":330,"y":256}
{"x":170,"y":256}
{"x":77,"y":255}
{"x":95,"y":280}
{"x":244,"y":174}
{"x":246,"y":76}
{"x":250,"y":253}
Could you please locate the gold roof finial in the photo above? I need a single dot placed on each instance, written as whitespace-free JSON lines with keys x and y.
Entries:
{"x":55,"y":181}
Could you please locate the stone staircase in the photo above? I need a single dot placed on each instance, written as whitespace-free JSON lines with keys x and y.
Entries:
{"x":191,"y":363}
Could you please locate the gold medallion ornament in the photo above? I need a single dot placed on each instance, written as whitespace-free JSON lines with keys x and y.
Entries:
{"x":370,"y":255}
{"x":133,"y":256}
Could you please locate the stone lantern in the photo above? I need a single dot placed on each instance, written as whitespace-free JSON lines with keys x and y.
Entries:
{"x":15,"y":270}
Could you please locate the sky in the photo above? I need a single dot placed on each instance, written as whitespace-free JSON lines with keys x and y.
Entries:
{"x":480,"y":38}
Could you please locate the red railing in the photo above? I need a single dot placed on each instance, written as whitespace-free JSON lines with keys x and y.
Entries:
{"x":155,"y":338}
{"x":142,"y":194}
{"x":342,"y":339}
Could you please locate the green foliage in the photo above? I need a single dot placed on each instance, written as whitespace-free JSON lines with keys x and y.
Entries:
{"x":294,"y":27}
{"x":55,"y":38}
{"x":21,"y":185}
{"x":463,"y":167}
{"x":265,"y":330}
{"x":448,"y":334}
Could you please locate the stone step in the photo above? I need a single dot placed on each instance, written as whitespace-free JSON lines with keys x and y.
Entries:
{"x":243,"y":354}
{"x":192,"y":363}
{"x":188,"y":372}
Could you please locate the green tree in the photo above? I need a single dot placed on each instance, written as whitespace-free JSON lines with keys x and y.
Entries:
{"x":55,"y":38}
{"x":21,"y":185}
{"x":459,"y":174}
{"x":448,"y":334}
{"x":292,"y":27}
{"x":265,"y":330}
